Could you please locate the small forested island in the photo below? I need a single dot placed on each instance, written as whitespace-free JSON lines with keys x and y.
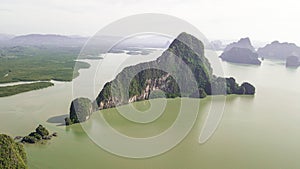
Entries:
{"x":16,"y":89}
{"x":191,"y":51}
{"x":80,"y":111}
{"x":277,"y":50}
{"x":12,"y":154}
{"x":241,"y":52}
{"x":40,"y":134}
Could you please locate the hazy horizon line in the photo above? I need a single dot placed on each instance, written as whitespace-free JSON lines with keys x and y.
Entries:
{"x":227,"y":40}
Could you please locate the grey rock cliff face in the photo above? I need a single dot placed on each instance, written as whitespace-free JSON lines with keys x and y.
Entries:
{"x":151,"y":85}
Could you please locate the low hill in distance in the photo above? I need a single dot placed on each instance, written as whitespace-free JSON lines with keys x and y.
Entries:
{"x":277,"y":50}
{"x":241,"y":52}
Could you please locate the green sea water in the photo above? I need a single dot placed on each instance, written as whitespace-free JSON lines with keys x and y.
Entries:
{"x":261,"y":131}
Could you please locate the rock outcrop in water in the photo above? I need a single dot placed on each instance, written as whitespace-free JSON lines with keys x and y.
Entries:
{"x":277,"y":50}
{"x":292,"y":61}
{"x":80,"y":111}
{"x":12,"y":154}
{"x":241,"y":52}
{"x":152,"y":78}
{"x":40,"y":134}
{"x":249,"y":89}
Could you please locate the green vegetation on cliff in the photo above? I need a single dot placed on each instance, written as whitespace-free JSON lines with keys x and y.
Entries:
{"x":147,"y":77}
{"x":12,"y":154}
{"x":16,"y":89}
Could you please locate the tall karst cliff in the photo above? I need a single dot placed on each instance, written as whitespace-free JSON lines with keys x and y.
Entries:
{"x":173,"y":73}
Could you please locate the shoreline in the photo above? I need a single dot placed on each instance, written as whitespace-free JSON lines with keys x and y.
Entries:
{"x":22,"y":88}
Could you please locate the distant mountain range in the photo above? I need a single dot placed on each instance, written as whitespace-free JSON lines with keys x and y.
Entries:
{"x":241,"y":51}
{"x":143,"y":41}
{"x":5,"y":37}
{"x":277,"y":50}
{"x":41,"y":40}
{"x":55,"y":40}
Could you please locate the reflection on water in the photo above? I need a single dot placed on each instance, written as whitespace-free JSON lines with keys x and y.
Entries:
{"x":59,"y":120}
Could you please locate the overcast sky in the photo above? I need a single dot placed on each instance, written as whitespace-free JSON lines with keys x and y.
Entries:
{"x":263,"y":20}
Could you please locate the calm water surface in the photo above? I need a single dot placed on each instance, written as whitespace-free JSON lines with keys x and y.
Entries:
{"x":261,"y":131}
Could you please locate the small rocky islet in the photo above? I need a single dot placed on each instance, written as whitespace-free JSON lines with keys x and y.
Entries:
{"x":12,"y":152}
{"x":39,"y":135}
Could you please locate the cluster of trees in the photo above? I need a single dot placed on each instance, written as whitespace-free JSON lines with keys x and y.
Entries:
{"x":16,"y":89}
{"x":29,"y":63}
{"x":224,"y":86}
{"x":234,"y":88}
{"x":40,"y":133}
